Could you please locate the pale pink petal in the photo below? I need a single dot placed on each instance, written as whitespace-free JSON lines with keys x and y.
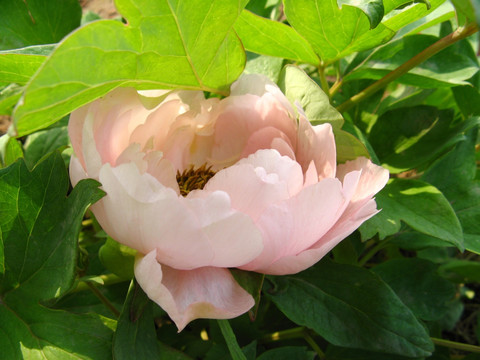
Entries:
{"x":76,"y":123}
{"x":76,"y":171}
{"x":258,"y":181}
{"x":372,"y":180}
{"x":233,"y":236}
{"x":208,"y":292}
{"x":257,"y":84}
{"x":299,"y":222}
{"x":344,"y":227}
{"x":162,"y":170}
{"x":264,"y":139}
{"x":140,"y":212}
{"x":316,"y":143}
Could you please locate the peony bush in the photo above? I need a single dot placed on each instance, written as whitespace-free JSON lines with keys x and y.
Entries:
{"x":198,"y":186}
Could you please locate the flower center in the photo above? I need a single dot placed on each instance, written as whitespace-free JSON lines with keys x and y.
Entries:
{"x":193,"y":179}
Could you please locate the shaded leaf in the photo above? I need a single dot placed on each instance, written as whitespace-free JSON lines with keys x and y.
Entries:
{"x":420,"y":205}
{"x":447,"y":68}
{"x":118,"y":258}
{"x":350,"y":307}
{"x":417,"y":284}
{"x":266,"y":65}
{"x":32,"y":22}
{"x":455,"y":175}
{"x":287,"y":353}
{"x":461,"y":271}
{"x":10,"y":150}
{"x":339,"y":353}
{"x":201,"y":53}
{"x":414,"y":136}
{"x":40,"y":227}
{"x":44,"y":142}
{"x":135,"y":337}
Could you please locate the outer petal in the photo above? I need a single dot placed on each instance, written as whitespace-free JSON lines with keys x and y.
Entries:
{"x":298,"y":222}
{"x":187,"y":295}
{"x":372,"y":180}
{"x":140,"y":212}
{"x":344,"y":227}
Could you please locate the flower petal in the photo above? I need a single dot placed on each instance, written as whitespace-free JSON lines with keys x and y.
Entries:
{"x":299,"y":222}
{"x":140,"y":212}
{"x":187,"y":295}
{"x":258,"y":181}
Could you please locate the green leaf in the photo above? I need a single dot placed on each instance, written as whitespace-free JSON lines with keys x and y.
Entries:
{"x":2,"y":257}
{"x":166,"y":44}
{"x":298,"y":86}
{"x":420,"y":205}
{"x":118,"y":258}
{"x":252,"y":282}
{"x":348,"y":147}
{"x":9,"y":96}
{"x":409,"y":138}
{"x":135,"y":337}
{"x":266,"y":65}
{"x":330,"y":29}
{"x":455,"y":175}
{"x":18,"y":68}
{"x":417,"y":284}
{"x":468,"y":100}
{"x":32,"y":22}
{"x":461,"y":271}
{"x":447,"y":68}
{"x":10,"y":150}
{"x":267,"y":37}
{"x":287,"y":353}
{"x":373,"y":9}
{"x":231,"y":340}
{"x":339,"y":353}
{"x":350,"y":307}
{"x":40,"y":228}
{"x":44,"y":142}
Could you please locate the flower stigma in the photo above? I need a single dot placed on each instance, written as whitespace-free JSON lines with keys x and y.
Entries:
{"x":194,"y":179}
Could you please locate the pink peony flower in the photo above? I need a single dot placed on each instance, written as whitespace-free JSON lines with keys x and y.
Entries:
{"x":199,"y":185}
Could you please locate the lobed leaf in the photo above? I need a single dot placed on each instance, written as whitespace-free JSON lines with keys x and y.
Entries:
{"x":268,"y":37}
{"x":350,"y":307}
{"x":166,"y":44}
{"x":420,"y":205}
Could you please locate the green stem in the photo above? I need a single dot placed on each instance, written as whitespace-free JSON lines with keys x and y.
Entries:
{"x":372,"y":252}
{"x":231,"y":340}
{"x":109,"y":279}
{"x":456,"y":345}
{"x":103,"y":299}
{"x":295,"y":333}
{"x":323,"y":80}
{"x":441,"y":44}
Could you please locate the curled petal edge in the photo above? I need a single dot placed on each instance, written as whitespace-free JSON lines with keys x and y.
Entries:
{"x":186,"y":295}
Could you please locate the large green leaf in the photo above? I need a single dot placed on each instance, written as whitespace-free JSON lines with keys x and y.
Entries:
{"x":417,"y":284}
{"x":337,"y":32}
{"x":350,"y":307}
{"x":267,"y":37}
{"x":287,"y":353}
{"x":454,"y":174}
{"x":18,"y":66}
{"x":414,"y":136}
{"x":339,"y":353}
{"x":420,"y":205}
{"x":40,"y":227}
{"x":447,"y":68}
{"x":330,"y":29}
{"x":166,"y":44}
{"x":32,"y":22}
{"x":135,"y":337}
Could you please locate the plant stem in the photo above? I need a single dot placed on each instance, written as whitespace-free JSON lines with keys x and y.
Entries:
{"x":231,"y":340}
{"x":323,"y":80}
{"x":372,"y":252}
{"x":438,"y":46}
{"x":109,"y":279}
{"x":456,"y":345}
{"x":103,"y":299}
{"x":295,"y":333}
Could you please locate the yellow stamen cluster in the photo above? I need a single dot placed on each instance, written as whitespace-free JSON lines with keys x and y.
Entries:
{"x":193,"y":179}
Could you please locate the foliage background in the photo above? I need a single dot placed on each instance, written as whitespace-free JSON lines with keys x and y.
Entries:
{"x":404,"y":76}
